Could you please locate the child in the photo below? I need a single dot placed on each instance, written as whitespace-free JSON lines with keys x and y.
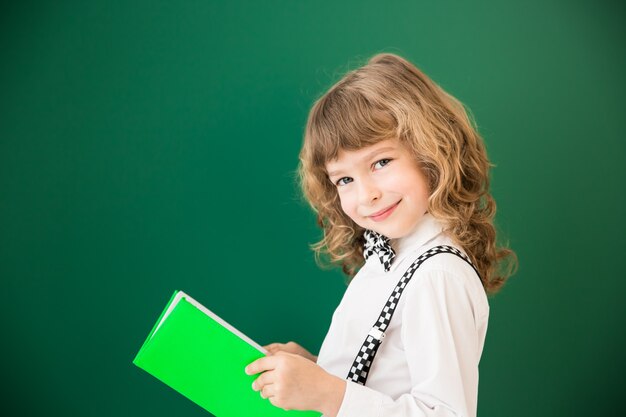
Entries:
{"x":393,"y":167}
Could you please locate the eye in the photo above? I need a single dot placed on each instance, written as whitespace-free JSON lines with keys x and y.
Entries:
{"x":381,"y":163}
{"x":341,"y":181}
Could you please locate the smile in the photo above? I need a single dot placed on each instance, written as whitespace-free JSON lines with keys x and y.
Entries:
{"x":383,"y":214}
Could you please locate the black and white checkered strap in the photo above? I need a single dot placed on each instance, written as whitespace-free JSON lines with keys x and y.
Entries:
{"x":363,"y":361}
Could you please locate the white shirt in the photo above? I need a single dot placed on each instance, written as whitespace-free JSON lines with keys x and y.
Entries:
{"x":427,"y":364}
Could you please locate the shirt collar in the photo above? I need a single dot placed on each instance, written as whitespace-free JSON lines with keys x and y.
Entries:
{"x":427,"y":228}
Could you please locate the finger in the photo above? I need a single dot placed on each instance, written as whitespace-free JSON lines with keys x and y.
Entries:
{"x":264,"y":379}
{"x":263,"y":364}
{"x":268,"y":391}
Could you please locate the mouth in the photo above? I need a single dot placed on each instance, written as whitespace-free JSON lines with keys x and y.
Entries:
{"x":384,"y":213}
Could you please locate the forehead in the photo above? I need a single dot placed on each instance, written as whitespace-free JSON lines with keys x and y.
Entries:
{"x":347,"y":158}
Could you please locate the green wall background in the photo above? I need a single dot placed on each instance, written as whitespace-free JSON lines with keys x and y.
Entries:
{"x":146,"y":146}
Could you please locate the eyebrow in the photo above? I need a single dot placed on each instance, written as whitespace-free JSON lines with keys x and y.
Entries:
{"x":365,"y":158}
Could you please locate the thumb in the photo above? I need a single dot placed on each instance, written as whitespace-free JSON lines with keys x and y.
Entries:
{"x":271,"y":348}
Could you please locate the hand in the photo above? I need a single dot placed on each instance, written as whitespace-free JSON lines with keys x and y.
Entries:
{"x":290,"y":347}
{"x":292,"y":382}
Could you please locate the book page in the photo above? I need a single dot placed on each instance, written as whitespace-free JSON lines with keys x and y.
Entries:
{"x":180,"y":295}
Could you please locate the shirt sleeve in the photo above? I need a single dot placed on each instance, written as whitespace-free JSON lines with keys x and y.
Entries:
{"x":442,"y":350}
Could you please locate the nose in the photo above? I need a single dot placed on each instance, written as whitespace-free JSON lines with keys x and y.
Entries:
{"x":369,"y":192}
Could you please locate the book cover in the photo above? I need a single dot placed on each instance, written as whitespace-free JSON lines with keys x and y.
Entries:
{"x":201,"y":356}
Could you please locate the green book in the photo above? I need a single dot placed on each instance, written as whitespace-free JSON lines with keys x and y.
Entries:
{"x":202,"y":357}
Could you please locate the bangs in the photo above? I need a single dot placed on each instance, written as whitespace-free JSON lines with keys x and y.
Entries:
{"x":345,"y":119}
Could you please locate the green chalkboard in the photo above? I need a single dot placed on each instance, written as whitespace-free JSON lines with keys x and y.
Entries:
{"x":145,"y":146}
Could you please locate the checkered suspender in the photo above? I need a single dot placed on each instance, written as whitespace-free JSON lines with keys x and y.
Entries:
{"x":363,"y":361}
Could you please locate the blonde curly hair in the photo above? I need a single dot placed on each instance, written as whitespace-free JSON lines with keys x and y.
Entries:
{"x":390,"y":98}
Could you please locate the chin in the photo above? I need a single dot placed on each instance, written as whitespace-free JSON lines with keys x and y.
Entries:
{"x":398,"y":232}
{"x":395,"y":235}
{"x":388,"y":232}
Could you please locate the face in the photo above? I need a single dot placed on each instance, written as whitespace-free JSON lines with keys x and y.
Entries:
{"x":381,"y":187}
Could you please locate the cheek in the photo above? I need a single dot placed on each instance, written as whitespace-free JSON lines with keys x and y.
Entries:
{"x":420,"y":191}
{"x":413,"y":186}
{"x":347,"y":205}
